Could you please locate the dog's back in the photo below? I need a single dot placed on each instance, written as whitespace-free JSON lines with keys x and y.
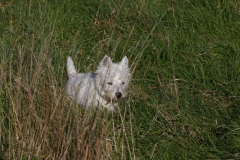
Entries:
{"x":81,"y":89}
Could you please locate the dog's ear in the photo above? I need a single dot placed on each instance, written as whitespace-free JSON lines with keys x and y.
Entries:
{"x":124,"y":63}
{"x":106,"y":61}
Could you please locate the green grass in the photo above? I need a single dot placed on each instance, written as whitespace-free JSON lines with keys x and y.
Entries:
{"x":184,"y":97}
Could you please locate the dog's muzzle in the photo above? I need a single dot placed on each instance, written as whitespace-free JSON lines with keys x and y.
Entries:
{"x":118,"y":95}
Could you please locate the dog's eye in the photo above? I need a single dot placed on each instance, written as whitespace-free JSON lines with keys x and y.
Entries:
{"x":123,"y":83}
{"x":109,"y":83}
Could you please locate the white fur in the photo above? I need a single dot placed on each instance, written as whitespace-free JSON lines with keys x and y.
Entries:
{"x":103,"y":88}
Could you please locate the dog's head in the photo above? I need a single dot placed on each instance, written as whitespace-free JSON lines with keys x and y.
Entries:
{"x":113,"y":78}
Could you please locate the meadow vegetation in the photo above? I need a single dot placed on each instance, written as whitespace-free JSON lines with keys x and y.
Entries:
{"x":183,"y":101}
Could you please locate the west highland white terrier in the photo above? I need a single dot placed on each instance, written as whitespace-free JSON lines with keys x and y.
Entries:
{"x":103,"y":88}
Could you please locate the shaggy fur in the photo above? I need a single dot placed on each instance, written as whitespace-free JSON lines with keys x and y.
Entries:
{"x":103,"y":88}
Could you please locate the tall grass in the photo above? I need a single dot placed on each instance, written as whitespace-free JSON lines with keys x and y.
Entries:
{"x":183,"y":101}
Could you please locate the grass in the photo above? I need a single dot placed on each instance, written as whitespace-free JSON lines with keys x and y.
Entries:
{"x":183,"y":101}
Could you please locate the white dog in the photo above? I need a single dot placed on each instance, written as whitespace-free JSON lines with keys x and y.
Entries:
{"x":103,"y":88}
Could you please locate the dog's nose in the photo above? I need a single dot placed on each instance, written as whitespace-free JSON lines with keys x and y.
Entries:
{"x":119,"y":95}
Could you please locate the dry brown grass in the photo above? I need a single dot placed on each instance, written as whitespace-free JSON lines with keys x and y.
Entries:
{"x":43,"y":123}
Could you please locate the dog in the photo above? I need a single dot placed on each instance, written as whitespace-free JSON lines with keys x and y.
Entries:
{"x":104,"y":88}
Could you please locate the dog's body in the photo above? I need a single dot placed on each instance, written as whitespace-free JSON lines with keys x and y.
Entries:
{"x":103,"y":88}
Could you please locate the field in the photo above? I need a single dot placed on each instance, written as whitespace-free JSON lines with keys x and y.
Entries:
{"x":183,"y":101}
